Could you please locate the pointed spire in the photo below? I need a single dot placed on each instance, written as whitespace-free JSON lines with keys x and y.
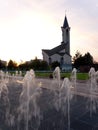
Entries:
{"x":65,"y":24}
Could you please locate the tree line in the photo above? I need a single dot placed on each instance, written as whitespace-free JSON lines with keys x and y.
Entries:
{"x":35,"y":64}
{"x":79,"y":61}
{"x":84,"y":62}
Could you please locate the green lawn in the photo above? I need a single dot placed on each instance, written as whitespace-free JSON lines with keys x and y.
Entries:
{"x":80,"y":76}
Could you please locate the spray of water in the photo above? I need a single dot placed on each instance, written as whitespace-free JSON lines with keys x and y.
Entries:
{"x":28,"y":100}
{"x":65,"y":97}
{"x":56,"y":84}
{"x":74,"y":78}
{"x":29,"y":109}
{"x":92,"y":89}
{"x":57,"y":76}
{"x":4,"y":100}
{"x":63,"y":94}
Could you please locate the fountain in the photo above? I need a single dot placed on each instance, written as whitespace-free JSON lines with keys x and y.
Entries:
{"x":28,"y":99}
{"x":74,"y":78}
{"x":30,"y":103}
{"x":65,"y":97}
{"x":56,"y":76}
{"x":93,"y":89}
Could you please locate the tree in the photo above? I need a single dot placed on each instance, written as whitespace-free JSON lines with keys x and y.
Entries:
{"x":88,"y":59}
{"x":12,"y":65}
{"x":44,"y":65}
{"x":36,"y":64}
{"x":85,"y":61}
{"x":77,"y":55}
{"x":24,"y":66}
{"x":54,"y":65}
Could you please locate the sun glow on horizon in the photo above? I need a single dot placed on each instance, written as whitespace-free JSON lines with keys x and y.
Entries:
{"x":24,"y":37}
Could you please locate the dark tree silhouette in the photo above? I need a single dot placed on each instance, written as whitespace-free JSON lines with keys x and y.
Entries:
{"x":85,"y":61}
{"x":3,"y":64}
{"x":54,"y":65}
{"x":12,"y":65}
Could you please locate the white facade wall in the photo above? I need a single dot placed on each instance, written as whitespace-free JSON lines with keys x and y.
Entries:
{"x":55,"y":57}
{"x":45,"y":57}
{"x":67,"y":59}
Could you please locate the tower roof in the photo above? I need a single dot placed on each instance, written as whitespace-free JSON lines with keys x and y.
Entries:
{"x":65,"y":24}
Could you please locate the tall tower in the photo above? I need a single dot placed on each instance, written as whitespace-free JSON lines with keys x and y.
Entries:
{"x":66,"y":35}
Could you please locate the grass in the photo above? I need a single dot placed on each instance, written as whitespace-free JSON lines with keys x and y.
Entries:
{"x":80,"y":76}
{"x":43,"y":74}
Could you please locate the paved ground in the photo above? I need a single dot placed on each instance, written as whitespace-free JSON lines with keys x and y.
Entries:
{"x":50,"y":115}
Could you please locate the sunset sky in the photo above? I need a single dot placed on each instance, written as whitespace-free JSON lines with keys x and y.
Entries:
{"x":28,"y":26}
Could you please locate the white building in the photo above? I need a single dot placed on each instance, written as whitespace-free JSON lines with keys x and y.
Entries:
{"x":60,"y":53}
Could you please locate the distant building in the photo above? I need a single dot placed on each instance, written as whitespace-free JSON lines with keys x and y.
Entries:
{"x":60,"y":53}
{"x":3,"y":62}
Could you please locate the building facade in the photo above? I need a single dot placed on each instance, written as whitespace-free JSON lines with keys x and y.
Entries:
{"x":60,"y":53}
